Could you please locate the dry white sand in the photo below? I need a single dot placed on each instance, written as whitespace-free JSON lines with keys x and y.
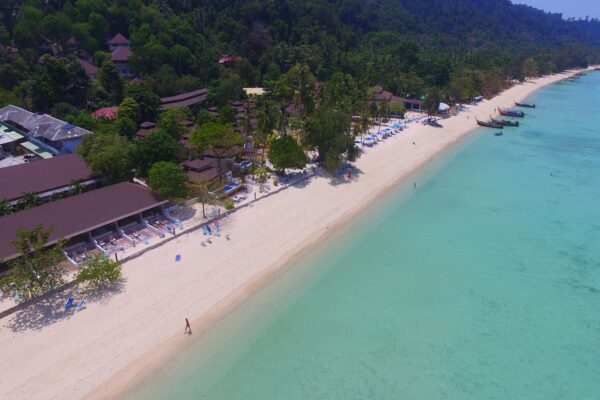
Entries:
{"x":97,"y":351}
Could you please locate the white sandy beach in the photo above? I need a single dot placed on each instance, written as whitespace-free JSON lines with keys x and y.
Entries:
{"x":96,"y":352}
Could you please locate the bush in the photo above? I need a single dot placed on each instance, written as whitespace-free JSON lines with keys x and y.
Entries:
{"x":229,"y":204}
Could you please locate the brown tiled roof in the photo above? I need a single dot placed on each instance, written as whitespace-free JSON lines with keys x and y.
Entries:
{"x":147,"y":125}
{"x":228,"y":153}
{"x":121,"y":54}
{"x":197,"y":165}
{"x":204,"y":176}
{"x":184,"y":99}
{"x":42,"y":176}
{"x":89,"y":68}
{"x":78,"y":214}
{"x":119,"y":39}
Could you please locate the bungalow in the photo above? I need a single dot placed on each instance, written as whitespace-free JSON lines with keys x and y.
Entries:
{"x":120,"y":50}
{"x":200,"y":171}
{"x":226,"y":59}
{"x":118,"y":41}
{"x":90,"y":69}
{"x":121,"y":59}
{"x":47,"y":46}
{"x":185,"y":99}
{"x":72,"y":45}
{"x":380,"y":95}
{"x":46,"y":136}
{"x":146,"y":128}
{"x":106,"y":112}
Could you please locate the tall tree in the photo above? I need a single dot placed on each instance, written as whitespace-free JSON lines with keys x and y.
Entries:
{"x":167,"y":180}
{"x":109,"y":78}
{"x":285,"y":152}
{"x":217,"y":137}
{"x":30,"y":200}
{"x":38,"y":269}
{"x":108,"y":155}
{"x":157,"y":146}
{"x":169,"y":122}
{"x":329,"y":132}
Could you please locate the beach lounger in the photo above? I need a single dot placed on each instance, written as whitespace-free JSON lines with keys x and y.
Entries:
{"x":80,"y":306}
{"x":69,"y":303}
{"x":177,"y":258}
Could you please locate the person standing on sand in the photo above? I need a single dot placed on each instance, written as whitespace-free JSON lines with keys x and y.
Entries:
{"x":188,"y":328}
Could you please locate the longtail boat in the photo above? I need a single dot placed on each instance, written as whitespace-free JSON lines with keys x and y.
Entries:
{"x":527,"y":105}
{"x":511,"y":112}
{"x":505,"y":122}
{"x":489,"y":124}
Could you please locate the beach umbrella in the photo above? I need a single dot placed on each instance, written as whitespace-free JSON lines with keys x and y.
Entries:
{"x":443,"y":107}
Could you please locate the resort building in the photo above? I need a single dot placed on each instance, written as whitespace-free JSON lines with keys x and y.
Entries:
{"x":185,"y":99}
{"x":200,"y":171}
{"x":117,"y":42}
{"x":144,"y":130}
{"x":90,"y":69}
{"x":101,"y":221}
{"x":9,"y":139}
{"x":120,"y":51}
{"x":121,"y":59}
{"x":381,"y":95}
{"x":45,"y":135}
{"x":106,"y":112}
{"x":44,"y":177}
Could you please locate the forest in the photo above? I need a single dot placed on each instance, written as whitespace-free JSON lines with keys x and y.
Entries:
{"x":318,"y":60}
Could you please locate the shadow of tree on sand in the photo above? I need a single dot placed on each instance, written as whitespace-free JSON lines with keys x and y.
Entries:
{"x":50,"y":310}
{"x":346,"y":174}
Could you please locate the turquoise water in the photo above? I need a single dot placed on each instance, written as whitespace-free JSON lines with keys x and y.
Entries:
{"x":484,"y":283}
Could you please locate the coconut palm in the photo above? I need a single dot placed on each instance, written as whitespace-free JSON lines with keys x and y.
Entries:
{"x":30,"y":200}
{"x":76,"y":186}
{"x":5,"y":208}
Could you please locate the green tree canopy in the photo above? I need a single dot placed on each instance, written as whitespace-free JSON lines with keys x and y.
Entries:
{"x":99,"y":271}
{"x":285,"y":152}
{"x":129,"y":108}
{"x":147,"y":100}
{"x":157,"y":146}
{"x":328,"y":132}
{"x":169,"y":122}
{"x":167,"y":180}
{"x":38,"y":269}
{"x":217,"y":137}
{"x":108,"y":155}
{"x":109,"y":78}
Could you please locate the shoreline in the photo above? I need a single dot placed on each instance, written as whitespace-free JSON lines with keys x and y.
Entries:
{"x":144,"y":343}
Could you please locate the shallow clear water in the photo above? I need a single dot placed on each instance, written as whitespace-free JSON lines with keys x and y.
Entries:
{"x":484,"y":283}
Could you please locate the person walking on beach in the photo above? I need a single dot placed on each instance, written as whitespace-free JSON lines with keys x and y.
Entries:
{"x":188,"y":328}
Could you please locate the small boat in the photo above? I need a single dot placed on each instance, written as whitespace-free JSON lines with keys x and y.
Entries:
{"x":511,"y":112}
{"x":505,"y":122}
{"x":498,"y":134}
{"x":527,"y":105}
{"x":489,"y":124}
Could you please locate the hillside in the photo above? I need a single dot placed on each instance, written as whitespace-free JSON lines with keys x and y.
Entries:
{"x":407,"y":46}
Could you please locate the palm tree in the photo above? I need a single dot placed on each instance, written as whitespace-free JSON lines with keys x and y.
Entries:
{"x":5,"y":208}
{"x":268,"y":118}
{"x":76,"y":186}
{"x":30,"y":200}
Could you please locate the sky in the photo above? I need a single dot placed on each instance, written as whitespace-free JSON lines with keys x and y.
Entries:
{"x":569,"y":8}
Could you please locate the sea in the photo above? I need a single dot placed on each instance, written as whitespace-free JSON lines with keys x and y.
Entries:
{"x":481,"y":283}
